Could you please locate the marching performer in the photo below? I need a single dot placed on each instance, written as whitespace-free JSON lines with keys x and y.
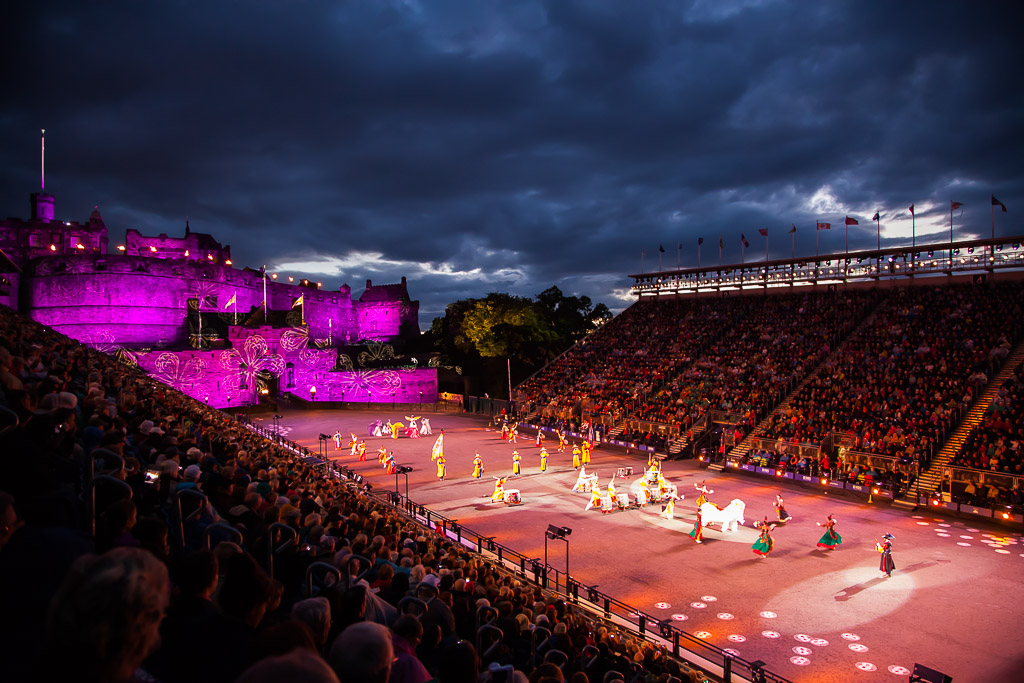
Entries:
{"x":337,"y":440}
{"x":440,"y":467}
{"x":540,"y":438}
{"x":562,"y":442}
{"x":885,"y":548}
{"x":389,"y":461}
{"x":575,"y":456}
{"x":697,"y":533}
{"x":781,"y":508}
{"x":543,"y":459}
{"x":704,"y":492}
{"x":504,"y":431}
{"x":585,"y":453}
{"x":478,"y":466}
{"x":516,"y":459}
{"x":595,"y":497}
{"x":830,"y":539}
{"x":513,"y":433}
{"x":764,"y":543}
{"x":670,"y":503}
{"x":361,"y":450}
{"x":353,"y":443}
{"x":382,"y":453}
{"x":499,"y":491}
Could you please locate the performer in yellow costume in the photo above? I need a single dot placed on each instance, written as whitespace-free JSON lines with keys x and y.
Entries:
{"x":361,"y":450}
{"x":478,"y":466}
{"x":440,"y":467}
{"x":575,"y":456}
{"x":516,"y":459}
{"x":543,"y":459}
{"x":595,"y":497}
{"x":499,"y":490}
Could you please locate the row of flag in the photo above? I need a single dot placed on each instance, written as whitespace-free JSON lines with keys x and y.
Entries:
{"x":819,"y":225}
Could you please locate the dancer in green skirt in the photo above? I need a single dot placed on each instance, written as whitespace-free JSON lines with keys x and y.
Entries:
{"x":831,"y":539}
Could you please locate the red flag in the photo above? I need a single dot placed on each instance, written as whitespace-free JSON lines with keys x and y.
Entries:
{"x":953,"y":206}
{"x":743,"y":238}
{"x":996,"y":202}
{"x":793,"y":229}
{"x":911,"y":209}
{"x":700,"y":241}
{"x":824,"y":226}
{"x":763,"y":231}
{"x":875,"y":217}
{"x":851,"y":221}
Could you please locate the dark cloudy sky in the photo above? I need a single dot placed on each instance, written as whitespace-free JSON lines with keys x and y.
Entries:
{"x":477,"y":146}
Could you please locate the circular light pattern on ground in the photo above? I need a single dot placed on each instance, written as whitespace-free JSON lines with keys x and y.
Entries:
{"x":802,"y":637}
{"x":738,"y":638}
{"x":697,"y":605}
{"x":857,"y":647}
{"x":917,"y":517}
{"x":770,"y":634}
{"x":899,"y":670}
{"x":724,"y":615}
{"x":800,"y":650}
{"x":922,"y":524}
{"x":963,"y":543}
{"x":679,"y":617}
{"x":819,"y":642}
{"x":662,"y":605}
{"x":851,"y":636}
{"x":967,"y":537}
{"x":1002,"y":552}
{"x":734,"y":653}
{"x":799,"y":661}
{"x":942,"y":535}
{"x":708,"y":598}
{"x":703,"y":635}
{"x":943,"y":524}
{"x":972,"y":531}
{"x":769,"y":615}
{"x":866,"y":666}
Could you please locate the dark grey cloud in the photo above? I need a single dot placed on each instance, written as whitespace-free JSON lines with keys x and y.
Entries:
{"x":511,"y":146}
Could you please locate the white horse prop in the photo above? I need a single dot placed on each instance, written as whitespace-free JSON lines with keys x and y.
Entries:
{"x":728,"y":517}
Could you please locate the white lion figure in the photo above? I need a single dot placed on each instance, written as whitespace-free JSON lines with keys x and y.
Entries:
{"x":728,"y":517}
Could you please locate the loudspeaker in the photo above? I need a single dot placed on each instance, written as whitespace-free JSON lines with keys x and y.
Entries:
{"x":925,"y":674}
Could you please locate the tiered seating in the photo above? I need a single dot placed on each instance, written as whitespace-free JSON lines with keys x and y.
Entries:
{"x":903,"y":381}
{"x":194,"y":476}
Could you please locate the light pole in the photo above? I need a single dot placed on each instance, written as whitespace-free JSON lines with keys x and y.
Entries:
{"x":392,"y":400}
{"x":312,"y":394}
{"x":556,"y":533}
{"x":402,"y":469}
{"x":421,"y":401}
{"x":277,"y":427}
{"x":342,"y":398}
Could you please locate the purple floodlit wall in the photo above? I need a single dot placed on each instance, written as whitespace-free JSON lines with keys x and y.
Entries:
{"x":142,"y":302}
{"x":273,"y":360}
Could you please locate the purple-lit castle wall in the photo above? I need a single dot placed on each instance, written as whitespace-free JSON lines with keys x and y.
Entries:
{"x":262,"y":357}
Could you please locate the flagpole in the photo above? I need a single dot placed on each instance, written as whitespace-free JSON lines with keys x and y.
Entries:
{"x":263,"y":272}
{"x":847,"y":237}
{"x":679,"y":251}
{"x":913,"y":227}
{"x":698,"y":255}
{"x":641,"y":261}
{"x":816,"y":231}
{"x":993,"y":219}
{"x":878,"y":231}
{"x":792,"y":243}
{"x":42,"y":159}
{"x":661,"y":250}
{"x":766,"y":248}
{"x":719,"y":251}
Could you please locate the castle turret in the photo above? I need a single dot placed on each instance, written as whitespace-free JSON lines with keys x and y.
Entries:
{"x":42,"y":207}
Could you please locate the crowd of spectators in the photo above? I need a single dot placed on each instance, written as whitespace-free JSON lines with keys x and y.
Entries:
{"x":670,"y":362}
{"x":995,"y":444}
{"x":903,"y":381}
{"x":144,"y":599}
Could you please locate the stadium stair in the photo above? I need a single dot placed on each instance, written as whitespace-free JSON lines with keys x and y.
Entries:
{"x":931,"y":477}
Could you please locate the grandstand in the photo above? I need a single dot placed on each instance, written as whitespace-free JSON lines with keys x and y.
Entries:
{"x":867,"y":368}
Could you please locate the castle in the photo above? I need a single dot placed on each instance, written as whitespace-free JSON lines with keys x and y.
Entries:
{"x":157,"y":298}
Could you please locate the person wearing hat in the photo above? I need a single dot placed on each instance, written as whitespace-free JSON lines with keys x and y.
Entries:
{"x":885,"y":548}
{"x":478,"y":466}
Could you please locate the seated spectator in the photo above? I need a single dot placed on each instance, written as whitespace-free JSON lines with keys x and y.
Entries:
{"x":362,"y":654}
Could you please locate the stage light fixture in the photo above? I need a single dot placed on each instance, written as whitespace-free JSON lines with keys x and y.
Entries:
{"x":665,"y":627}
{"x":970,"y":250}
{"x":874,"y":491}
{"x":824,"y":481}
{"x":778,"y":473}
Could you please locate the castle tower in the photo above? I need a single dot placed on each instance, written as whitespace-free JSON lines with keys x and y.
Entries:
{"x":42,"y":207}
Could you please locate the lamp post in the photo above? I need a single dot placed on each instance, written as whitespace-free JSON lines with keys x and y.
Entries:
{"x":556,"y":533}
{"x":402,"y":469}
{"x":392,"y":400}
{"x":312,"y":394}
{"x":342,"y":398}
{"x":421,"y":401}
{"x":277,"y":427}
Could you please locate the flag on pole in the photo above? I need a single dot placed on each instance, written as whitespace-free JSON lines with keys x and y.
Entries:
{"x":953,"y":206}
{"x":875,"y":217}
{"x":743,"y":238}
{"x":721,"y":243}
{"x":823,"y":226}
{"x":232,"y":300}
{"x":911,"y":209}
{"x":996,"y":202}
{"x":700,"y":241}
{"x":793,"y":229}
{"x":297,"y":302}
{"x":851,"y":221}
{"x":438,"y":449}
{"x":661,"y":249}
{"x":763,"y":231}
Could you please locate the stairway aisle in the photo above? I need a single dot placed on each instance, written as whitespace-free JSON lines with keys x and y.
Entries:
{"x":930,"y":478}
